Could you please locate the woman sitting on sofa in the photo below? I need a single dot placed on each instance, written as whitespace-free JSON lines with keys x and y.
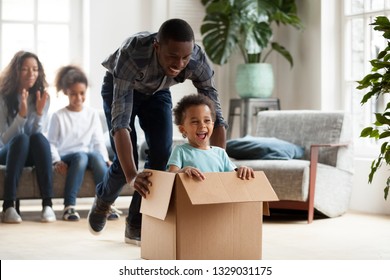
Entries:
{"x":24,"y":103}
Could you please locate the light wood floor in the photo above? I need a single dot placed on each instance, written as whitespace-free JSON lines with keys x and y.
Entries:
{"x":354,"y":236}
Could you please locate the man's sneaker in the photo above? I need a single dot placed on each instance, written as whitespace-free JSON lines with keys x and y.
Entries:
{"x":48,"y":215}
{"x":114,"y":213}
{"x":70,"y":214}
{"x":10,"y":216}
{"x":97,"y":216}
{"x":132,"y":235}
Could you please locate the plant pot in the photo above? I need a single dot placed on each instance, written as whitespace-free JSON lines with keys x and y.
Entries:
{"x":254,"y":80}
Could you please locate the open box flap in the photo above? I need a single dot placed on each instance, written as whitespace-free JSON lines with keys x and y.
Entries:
{"x":157,"y":202}
{"x":226,"y":187}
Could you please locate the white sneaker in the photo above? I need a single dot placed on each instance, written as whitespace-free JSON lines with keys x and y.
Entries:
{"x":48,"y":215}
{"x":10,"y":216}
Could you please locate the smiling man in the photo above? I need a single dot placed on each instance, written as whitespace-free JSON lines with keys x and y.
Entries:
{"x":139,"y":75}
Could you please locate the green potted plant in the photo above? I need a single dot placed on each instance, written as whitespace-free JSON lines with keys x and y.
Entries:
{"x":246,"y":25}
{"x":378,"y":84}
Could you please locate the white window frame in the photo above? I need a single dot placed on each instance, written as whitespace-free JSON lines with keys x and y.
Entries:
{"x":363,"y":116}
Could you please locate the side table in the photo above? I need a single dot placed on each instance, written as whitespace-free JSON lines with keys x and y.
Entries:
{"x":248,"y":108}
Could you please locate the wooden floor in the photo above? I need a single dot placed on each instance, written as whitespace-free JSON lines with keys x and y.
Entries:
{"x":353,"y":236}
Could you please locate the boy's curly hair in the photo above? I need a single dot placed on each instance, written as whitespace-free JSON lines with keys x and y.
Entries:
{"x":191,"y":100}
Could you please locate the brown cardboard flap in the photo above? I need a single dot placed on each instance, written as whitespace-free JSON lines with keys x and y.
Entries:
{"x":226,"y":187}
{"x":156,"y":203}
{"x":208,"y":191}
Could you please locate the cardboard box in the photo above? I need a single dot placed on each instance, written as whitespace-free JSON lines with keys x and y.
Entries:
{"x":218,"y":218}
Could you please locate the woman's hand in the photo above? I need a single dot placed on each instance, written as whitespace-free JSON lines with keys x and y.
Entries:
{"x":41,"y":102}
{"x":23,"y":107}
{"x":245,"y":172}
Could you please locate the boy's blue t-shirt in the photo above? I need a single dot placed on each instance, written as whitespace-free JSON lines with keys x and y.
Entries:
{"x":214,"y":159}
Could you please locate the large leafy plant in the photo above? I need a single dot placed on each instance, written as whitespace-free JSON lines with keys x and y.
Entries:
{"x":246,"y":25}
{"x":378,"y":83}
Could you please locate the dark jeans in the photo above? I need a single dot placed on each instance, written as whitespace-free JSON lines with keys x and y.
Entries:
{"x":154,"y":113}
{"x":21,"y":151}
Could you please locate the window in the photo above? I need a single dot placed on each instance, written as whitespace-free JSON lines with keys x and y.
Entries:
{"x":50,"y":29}
{"x":361,"y":44}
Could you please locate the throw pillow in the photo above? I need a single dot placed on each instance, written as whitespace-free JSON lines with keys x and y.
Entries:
{"x":250,"y":147}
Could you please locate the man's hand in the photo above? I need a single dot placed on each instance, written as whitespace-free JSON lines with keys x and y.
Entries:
{"x":141,"y":183}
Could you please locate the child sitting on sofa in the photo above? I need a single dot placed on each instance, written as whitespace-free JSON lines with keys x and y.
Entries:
{"x":194,"y":116}
{"x":76,"y":138}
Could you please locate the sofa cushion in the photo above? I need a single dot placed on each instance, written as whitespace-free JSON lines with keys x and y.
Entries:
{"x":250,"y":147}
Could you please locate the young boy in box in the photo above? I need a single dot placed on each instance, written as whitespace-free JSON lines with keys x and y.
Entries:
{"x":194,"y":115}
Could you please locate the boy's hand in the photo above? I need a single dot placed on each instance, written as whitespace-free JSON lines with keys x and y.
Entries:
{"x":245,"y":172}
{"x":192,"y":171}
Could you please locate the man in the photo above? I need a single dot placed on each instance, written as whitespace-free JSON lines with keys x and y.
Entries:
{"x":139,"y":75}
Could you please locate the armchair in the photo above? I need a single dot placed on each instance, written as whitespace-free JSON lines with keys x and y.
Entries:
{"x":322,"y":179}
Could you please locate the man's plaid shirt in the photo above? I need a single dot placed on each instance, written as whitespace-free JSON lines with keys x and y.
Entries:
{"x":134,"y":66}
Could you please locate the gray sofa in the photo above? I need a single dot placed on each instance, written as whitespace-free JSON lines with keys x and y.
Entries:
{"x":322,"y":179}
{"x":28,"y":187}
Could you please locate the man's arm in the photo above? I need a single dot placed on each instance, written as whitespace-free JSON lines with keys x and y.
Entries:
{"x":218,"y":138}
{"x":124,"y":151}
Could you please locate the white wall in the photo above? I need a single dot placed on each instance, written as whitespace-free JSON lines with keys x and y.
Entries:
{"x":300,"y":87}
{"x":310,"y":84}
{"x":369,"y":197}
{"x":110,"y":23}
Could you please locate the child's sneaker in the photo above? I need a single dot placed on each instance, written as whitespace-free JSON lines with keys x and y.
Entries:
{"x":70,"y":214}
{"x":114,"y":213}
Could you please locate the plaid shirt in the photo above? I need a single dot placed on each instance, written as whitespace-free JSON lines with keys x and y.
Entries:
{"x":134,"y":66}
